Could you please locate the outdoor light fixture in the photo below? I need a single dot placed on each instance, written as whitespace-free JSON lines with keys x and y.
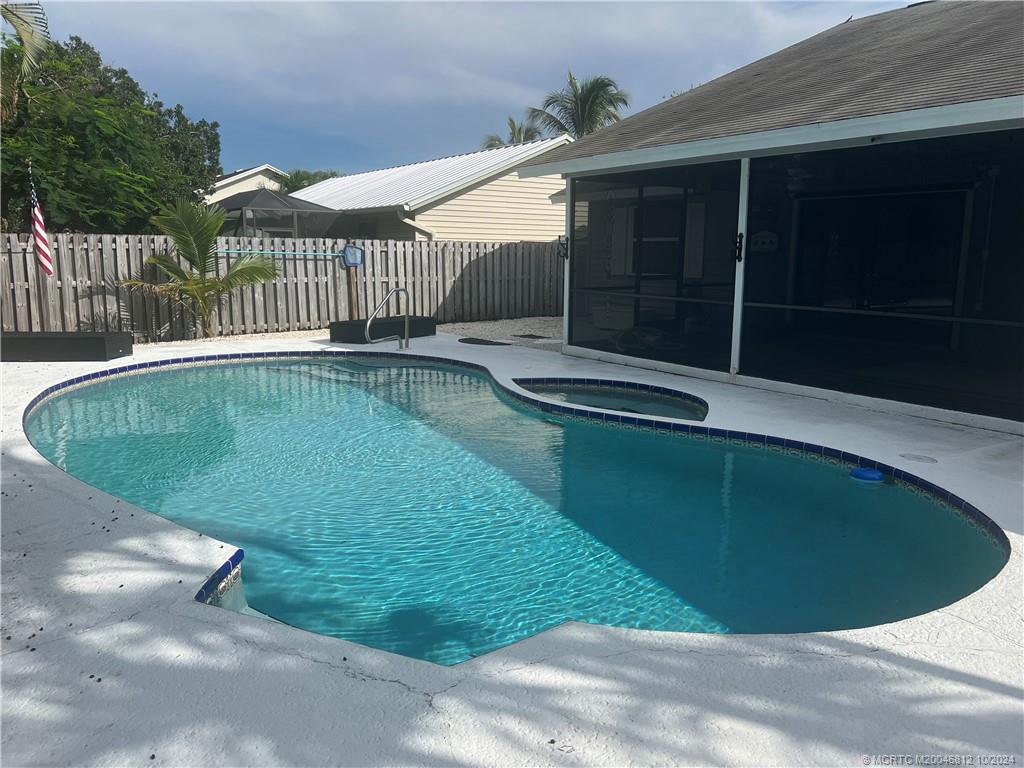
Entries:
{"x":352,"y":255}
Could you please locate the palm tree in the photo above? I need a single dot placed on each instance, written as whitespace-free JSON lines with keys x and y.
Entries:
{"x":28,"y":19}
{"x":299,"y":178}
{"x":193,"y":227}
{"x":518,"y":133}
{"x":582,"y":106}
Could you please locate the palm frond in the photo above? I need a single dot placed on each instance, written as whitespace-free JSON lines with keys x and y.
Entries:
{"x":33,"y":31}
{"x":194,"y":228}
{"x":582,"y":106}
{"x":548,"y":121}
{"x":492,"y":141}
{"x":519,"y":132}
{"x":166,"y":263}
{"x":514,"y":131}
{"x":247,"y":270}
{"x":522,"y":132}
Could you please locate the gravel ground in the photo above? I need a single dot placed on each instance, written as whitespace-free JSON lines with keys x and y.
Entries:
{"x":549,"y":328}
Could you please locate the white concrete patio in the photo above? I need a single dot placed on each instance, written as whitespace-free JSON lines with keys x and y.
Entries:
{"x":108,"y":660}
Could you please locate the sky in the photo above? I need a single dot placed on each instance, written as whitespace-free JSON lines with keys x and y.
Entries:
{"x":358,"y":86}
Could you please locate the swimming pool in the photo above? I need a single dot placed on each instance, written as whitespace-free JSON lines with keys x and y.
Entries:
{"x":414,"y":508}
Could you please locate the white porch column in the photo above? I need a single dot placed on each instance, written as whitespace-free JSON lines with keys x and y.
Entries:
{"x":569,"y":211}
{"x":741,"y":263}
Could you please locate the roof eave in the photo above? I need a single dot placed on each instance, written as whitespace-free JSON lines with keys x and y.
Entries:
{"x":965,"y":117}
{"x":376,"y":209}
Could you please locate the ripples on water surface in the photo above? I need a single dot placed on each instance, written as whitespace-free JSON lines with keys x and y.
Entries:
{"x":410,"y":509}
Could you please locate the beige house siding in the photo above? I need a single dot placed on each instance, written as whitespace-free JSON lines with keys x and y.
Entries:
{"x":507,"y":208}
{"x":245,"y":184}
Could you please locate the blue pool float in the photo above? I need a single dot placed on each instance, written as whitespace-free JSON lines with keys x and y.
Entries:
{"x":867,"y":474}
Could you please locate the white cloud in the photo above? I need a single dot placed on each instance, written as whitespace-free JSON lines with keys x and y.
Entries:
{"x":428,"y":77}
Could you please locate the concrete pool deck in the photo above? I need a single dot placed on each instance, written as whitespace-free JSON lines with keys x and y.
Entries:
{"x":110,"y":661}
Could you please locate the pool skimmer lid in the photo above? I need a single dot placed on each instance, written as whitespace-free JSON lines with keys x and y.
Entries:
{"x":867,"y":475}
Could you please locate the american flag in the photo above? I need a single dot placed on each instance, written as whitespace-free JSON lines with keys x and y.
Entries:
{"x":39,"y":231}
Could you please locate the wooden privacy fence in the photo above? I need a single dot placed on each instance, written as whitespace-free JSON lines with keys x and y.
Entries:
{"x":449,"y":280}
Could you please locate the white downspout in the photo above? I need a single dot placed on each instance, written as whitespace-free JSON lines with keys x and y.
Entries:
{"x":741,"y":263}
{"x":568,"y":257}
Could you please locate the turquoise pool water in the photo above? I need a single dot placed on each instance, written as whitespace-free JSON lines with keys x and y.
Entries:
{"x":411,"y":509}
{"x":625,"y":401}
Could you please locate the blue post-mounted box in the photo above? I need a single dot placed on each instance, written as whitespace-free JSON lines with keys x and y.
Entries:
{"x":352,"y":255}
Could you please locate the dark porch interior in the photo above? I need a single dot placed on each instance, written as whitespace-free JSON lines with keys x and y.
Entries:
{"x":892,"y":270}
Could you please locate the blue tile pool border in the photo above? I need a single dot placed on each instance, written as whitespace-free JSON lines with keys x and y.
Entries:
{"x":518,"y":394}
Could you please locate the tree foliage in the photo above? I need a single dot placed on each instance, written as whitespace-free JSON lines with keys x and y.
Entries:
{"x":193,"y":227}
{"x":105,"y":153}
{"x":582,"y":106}
{"x":519,"y":132}
{"x":299,"y":178}
{"x":89,"y":163}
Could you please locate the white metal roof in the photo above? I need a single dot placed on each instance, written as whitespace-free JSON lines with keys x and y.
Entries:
{"x":411,"y":187}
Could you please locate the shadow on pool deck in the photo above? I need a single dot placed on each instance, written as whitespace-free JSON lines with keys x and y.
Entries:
{"x":197,"y":685}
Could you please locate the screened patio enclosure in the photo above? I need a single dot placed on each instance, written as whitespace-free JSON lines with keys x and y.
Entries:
{"x":894,"y":270}
{"x":653,"y":263}
{"x":265,"y":213}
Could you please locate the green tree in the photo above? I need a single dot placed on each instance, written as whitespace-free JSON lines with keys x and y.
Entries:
{"x":190,"y":152}
{"x":518,"y":133}
{"x":77,"y":67}
{"x":299,"y":178}
{"x":90,"y":164}
{"x":104,"y":151}
{"x":189,"y":149}
{"x":582,"y":106}
{"x":193,"y":228}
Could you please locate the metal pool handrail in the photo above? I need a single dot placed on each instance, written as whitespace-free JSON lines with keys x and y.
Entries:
{"x":396,"y":337}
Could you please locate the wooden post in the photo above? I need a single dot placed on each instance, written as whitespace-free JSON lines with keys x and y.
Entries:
{"x":352,"y":279}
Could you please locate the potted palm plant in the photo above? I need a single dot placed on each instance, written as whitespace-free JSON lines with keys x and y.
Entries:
{"x":193,"y":228}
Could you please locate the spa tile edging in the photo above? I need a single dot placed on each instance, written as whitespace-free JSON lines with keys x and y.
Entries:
{"x":699,"y":431}
{"x":614,"y":385}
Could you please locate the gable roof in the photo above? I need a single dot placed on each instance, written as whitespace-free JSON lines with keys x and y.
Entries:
{"x":926,"y":55}
{"x":250,"y":171}
{"x":269,"y":200}
{"x":410,"y":187}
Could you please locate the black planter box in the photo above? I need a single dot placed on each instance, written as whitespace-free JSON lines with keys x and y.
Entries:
{"x":57,"y":346}
{"x":352,"y":331}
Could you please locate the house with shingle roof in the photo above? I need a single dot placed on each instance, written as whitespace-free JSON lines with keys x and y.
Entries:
{"x":842,"y":217}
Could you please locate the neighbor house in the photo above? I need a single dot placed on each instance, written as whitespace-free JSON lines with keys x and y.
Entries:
{"x":846,"y":214}
{"x":263,"y":176}
{"x":477,"y":196}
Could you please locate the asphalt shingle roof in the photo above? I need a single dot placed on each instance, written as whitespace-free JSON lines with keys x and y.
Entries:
{"x":925,"y":55}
